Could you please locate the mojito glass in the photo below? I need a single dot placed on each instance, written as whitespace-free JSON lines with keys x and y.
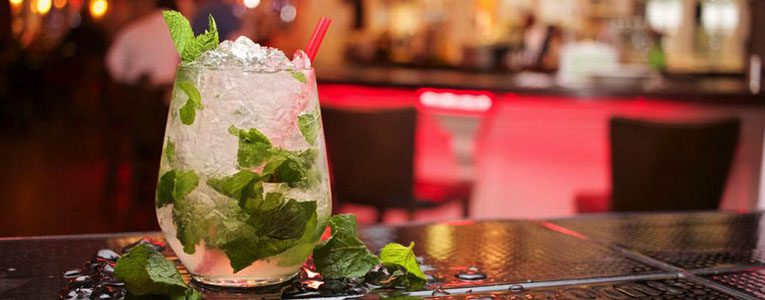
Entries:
{"x":243,"y":194}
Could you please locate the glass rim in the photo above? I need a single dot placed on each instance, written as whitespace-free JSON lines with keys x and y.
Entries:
{"x":248,"y":70}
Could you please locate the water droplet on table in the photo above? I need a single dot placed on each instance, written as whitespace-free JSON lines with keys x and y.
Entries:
{"x":516,"y":288}
{"x":439,"y":291}
{"x":107,"y":254}
{"x":472,"y":273}
{"x":72,"y":273}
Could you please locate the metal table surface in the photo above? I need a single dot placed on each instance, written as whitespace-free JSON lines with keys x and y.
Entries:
{"x":700,"y":255}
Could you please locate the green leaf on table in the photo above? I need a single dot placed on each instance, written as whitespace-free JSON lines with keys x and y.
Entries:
{"x":174,"y":185}
{"x":254,"y":147}
{"x":188,"y":111}
{"x":299,"y":76}
{"x":343,"y":255}
{"x":188,"y":46}
{"x":170,"y":151}
{"x":310,"y":126}
{"x":244,"y":186}
{"x":146,"y":272}
{"x":398,"y":255}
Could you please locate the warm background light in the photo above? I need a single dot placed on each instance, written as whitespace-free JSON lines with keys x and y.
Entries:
{"x":98,"y":8}
{"x":59,"y":3}
{"x":43,"y":6}
{"x":16,"y":2}
{"x":251,"y":3}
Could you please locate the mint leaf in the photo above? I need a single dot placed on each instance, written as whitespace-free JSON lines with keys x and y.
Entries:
{"x":252,"y":244}
{"x":188,"y":113}
{"x":188,"y":46}
{"x":209,"y":39}
{"x":174,"y":185}
{"x":304,"y":247}
{"x":284,"y":168}
{"x":189,"y":110}
{"x":345,"y":224}
{"x":146,"y":272}
{"x":395,"y":254}
{"x":310,"y":125}
{"x":343,"y":255}
{"x":286,"y":222}
{"x":170,"y":151}
{"x":214,"y":223}
{"x":272,"y":201}
{"x":180,"y":32}
{"x":244,"y":186}
{"x":254,"y":147}
{"x":299,"y":76}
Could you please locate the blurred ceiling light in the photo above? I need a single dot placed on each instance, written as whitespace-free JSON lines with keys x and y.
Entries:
{"x":251,"y":3}
{"x":98,"y":8}
{"x":719,"y":16}
{"x":16,"y":2}
{"x":288,"y":13}
{"x":664,"y":15}
{"x":59,"y":3}
{"x":42,"y":6}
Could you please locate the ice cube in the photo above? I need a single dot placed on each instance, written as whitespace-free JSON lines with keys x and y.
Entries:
{"x":245,"y":54}
{"x":300,"y":60}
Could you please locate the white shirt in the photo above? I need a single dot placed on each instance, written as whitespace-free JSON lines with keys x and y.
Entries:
{"x":143,"y":47}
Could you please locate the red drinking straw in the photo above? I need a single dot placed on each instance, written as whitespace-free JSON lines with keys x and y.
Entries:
{"x":316,"y":37}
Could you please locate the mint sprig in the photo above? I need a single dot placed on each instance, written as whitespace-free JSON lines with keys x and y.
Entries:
{"x":188,"y":46}
{"x":396,"y":256}
{"x":146,"y":272}
{"x":343,"y":254}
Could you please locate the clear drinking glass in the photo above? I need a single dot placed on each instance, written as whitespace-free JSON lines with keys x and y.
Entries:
{"x":243,"y":195}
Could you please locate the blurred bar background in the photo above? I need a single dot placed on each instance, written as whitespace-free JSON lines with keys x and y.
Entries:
{"x":513,"y":99}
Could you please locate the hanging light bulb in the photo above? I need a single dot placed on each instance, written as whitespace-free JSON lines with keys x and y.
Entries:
{"x":43,"y":6}
{"x":251,"y":3}
{"x":98,"y":8}
{"x":59,"y":3}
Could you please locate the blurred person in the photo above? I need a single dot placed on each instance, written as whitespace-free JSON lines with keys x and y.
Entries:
{"x":142,"y":62}
{"x":144,"y":50}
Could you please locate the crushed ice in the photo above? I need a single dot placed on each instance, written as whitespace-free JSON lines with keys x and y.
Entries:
{"x":246,"y":54}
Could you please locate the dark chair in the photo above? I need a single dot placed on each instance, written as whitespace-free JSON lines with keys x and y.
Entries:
{"x":371,"y":158}
{"x":670,"y":166}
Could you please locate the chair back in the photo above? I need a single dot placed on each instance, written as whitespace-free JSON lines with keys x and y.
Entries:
{"x":670,"y":166}
{"x":371,"y":155}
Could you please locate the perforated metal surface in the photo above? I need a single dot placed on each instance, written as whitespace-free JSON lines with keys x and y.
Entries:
{"x":506,"y":251}
{"x":653,"y":289}
{"x":559,"y":262}
{"x":751,"y":282}
{"x":689,"y":241}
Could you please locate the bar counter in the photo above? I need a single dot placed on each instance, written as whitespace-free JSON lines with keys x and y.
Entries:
{"x":702,"y":89}
{"x":695,"y":255}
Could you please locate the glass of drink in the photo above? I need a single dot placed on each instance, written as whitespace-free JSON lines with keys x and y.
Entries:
{"x":243,"y":195}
